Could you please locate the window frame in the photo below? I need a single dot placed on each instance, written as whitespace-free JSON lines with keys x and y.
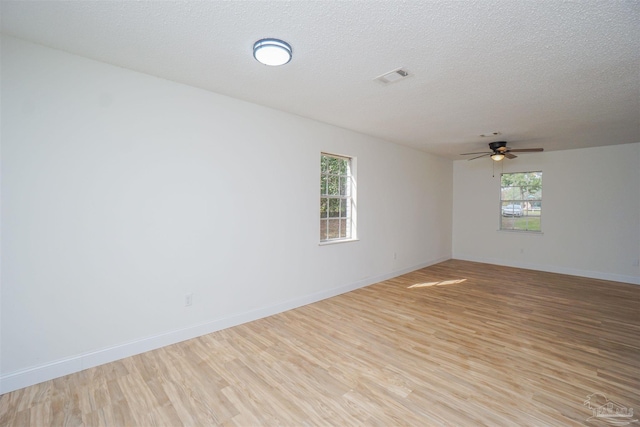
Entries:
{"x":528,"y":205}
{"x":345,"y":197}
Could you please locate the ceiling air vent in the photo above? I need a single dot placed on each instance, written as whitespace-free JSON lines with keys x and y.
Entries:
{"x":392,"y":76}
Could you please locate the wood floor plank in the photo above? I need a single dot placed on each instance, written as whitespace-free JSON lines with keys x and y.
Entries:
{"x":457,"y":343}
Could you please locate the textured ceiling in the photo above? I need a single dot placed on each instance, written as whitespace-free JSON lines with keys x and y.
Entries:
{"x":553,"y":74}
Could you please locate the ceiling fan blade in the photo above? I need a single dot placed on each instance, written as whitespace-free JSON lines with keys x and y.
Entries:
{"x":508,"y":155}
{"x":486,"y":154}
{"x":526,"y":150}
{"x":479,"y":152}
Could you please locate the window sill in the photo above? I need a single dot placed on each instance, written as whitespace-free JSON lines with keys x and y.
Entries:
{"x":335,"y":242}
{"x":530,"y":232}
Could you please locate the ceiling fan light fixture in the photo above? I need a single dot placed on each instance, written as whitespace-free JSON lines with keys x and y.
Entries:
{"x":497,"y":157}
{"x":272,"y":52}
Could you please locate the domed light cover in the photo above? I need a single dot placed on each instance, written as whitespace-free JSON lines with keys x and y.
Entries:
{"x":272,"y":52}
{"x":497,"y":157}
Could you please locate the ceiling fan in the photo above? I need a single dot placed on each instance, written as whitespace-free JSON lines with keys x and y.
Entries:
{"x":499,"y":151}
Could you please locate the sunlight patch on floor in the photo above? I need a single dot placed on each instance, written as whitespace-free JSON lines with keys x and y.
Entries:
{"x":441,"y":283}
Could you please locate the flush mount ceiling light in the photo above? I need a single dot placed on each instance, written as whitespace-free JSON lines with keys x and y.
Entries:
{"x":272,"y":52}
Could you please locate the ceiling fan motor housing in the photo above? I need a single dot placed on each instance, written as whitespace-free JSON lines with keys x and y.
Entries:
{"x":496,"y":146}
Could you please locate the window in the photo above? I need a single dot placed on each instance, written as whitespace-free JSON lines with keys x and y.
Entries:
{"x":337,"y":198}
{"x":521,"y":201}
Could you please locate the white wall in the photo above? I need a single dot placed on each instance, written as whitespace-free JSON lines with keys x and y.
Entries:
{"x":590,"y":213}
{"x":122,"y":192}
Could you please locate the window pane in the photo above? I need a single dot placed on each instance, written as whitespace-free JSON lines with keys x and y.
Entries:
{"x":343,"y":167}
{"x":343,"y":208}
{"x":333,"y":228}
{"x":333,"y":185}
{"x":323,"y":164}
{"x":334,"y":207}
{"x":324,"y":203}
{"x":344,"y":186}
{"x":346,"y":228}
{"x":334,"y":166}
{"x":535,"y":193}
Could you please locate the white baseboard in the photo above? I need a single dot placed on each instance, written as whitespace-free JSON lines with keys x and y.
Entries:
{"x":634,"y":280}
{"x":34,"y":375}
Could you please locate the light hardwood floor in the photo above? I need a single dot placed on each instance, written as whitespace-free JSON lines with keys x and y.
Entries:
{"x":457,"y":343}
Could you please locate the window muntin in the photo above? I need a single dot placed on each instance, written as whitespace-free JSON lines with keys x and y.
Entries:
{"x":521,"y":201}
{"x":337,"y":198}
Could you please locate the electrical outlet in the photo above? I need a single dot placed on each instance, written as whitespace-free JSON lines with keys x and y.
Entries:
{"x":395,"y":255}
{"x":188,"y":300}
